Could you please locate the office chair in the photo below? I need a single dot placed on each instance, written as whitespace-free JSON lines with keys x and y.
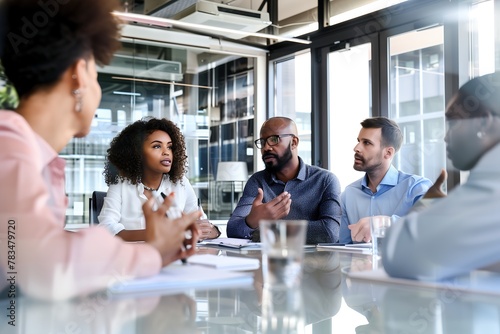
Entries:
{"x":96,"y":203}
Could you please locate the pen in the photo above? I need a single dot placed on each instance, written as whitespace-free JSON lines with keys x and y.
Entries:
{"x":174,"y":213}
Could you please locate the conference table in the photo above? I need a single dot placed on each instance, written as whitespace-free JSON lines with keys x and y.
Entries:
{"x":328,"y":301}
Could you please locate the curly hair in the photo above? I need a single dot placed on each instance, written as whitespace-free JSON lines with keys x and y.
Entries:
{"x":125,"y":158}
{"x":44,"y":38}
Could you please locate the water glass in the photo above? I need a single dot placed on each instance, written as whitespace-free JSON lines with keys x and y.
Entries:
{"x":282,"y":251}
{"x":378,"y":229}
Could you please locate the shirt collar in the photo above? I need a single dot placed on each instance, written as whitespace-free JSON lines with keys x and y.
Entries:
{"x":300,"y":176}
{"x":47,"y":154}
{"x":390,"y":178}
{"x":302,"y":170}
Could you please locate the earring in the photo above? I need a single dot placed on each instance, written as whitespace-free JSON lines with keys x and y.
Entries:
{"x":480,"y":134}
{"x":79,"y":102}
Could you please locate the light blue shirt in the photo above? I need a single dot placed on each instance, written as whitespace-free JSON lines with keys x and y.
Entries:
{"x":395,"y":195}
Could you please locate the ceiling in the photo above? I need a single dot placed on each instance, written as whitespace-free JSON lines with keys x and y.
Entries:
{"x":286,"y":8}
{"x":189,"y":58}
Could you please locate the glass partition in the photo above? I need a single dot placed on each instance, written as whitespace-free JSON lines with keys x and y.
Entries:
{"x":292,"y":97}
{"x":211,"y":98}
{"x":349,"y":103}
{"x":417,"y":102}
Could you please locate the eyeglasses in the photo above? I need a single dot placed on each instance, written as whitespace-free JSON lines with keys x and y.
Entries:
{"x":271,"y":140}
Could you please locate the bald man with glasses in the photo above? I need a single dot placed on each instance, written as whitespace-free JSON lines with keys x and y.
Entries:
{"x":287,"y":188}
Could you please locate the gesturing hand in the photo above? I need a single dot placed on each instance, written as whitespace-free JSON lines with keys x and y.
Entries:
{"x":168,"y":236}
{"x":436,"y":190}
{"x":277,"y":208}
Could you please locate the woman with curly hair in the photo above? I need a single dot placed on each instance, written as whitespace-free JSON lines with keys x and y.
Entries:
{"x":147,"y":159}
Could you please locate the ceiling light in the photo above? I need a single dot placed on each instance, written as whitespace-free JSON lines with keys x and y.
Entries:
{"x":161,"y":82}
{"x":126,"y":93}
{"x":168,"y":23}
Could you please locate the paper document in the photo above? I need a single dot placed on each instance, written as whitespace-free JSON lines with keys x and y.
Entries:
{"x":177,"y":278}
{"x":231,"y":243}
{"x":476,"y":282}
{"x":224,"y":262}
{"x":355,"y":248}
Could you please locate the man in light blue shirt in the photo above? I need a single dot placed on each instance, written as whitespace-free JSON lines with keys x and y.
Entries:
{"x":383,"y":190}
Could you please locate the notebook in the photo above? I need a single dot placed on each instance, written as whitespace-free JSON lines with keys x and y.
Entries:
{"x":231,"y":243}
{"x":224,"y":262}
{"x":178,"y":277}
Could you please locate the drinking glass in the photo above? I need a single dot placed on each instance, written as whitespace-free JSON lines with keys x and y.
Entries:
{"x":282,"y":251}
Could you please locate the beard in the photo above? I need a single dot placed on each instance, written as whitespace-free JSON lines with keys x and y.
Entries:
{"x":365,"y":166}
{"x":281,"y":161}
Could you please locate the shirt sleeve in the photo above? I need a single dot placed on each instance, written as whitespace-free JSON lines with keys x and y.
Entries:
{"x":110,"y":215}
{"x":326,"y":227}
{"x":237,"y":226}
{"x":418,"y":189}
{"x":345,"y":232}
{"x":191,"y":200}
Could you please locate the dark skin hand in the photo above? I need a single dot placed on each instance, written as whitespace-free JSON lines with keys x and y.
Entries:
{"x":277,"y":208}
{"x":436,"y":190}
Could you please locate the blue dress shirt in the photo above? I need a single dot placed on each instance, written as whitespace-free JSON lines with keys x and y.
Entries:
{"x":396,"y":194}
{"x":315,"y":194}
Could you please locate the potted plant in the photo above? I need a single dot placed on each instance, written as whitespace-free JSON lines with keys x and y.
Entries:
{"x":8,"y":95}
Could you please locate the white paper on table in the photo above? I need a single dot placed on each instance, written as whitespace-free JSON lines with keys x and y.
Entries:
{"x":177,"y":278}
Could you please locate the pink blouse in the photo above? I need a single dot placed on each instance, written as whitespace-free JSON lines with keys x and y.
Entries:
{"x":36,"y":253}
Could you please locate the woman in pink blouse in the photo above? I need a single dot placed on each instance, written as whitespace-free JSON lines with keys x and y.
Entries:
{"x":50,"y":54}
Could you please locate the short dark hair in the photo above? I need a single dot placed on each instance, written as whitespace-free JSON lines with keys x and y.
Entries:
{"x":478,"y":96}
{"x":391,"y":133}
{"x":44,"y":38}
{"x":124,"y":158}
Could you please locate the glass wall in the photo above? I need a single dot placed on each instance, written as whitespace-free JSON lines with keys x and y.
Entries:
{"x":417,"y":101}
{"x":482,"y":38}
{"x":209,"y":96}
{"x":349,"y":103}
{"x":292,"y":97}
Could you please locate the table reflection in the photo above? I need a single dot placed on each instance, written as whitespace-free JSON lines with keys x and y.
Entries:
{"x":244,"y":309}
{"x":401,"y":309}
{"x":99,"y":313}
{"x":386,"y":308}
{"x":282,"y":310}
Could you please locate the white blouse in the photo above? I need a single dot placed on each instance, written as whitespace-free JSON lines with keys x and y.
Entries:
{"x":122,"y":208}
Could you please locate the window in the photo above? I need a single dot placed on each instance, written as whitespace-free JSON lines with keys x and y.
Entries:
{"x":349,"y":103}
{"x":417,"y":101}
{"x":292,"y":97}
